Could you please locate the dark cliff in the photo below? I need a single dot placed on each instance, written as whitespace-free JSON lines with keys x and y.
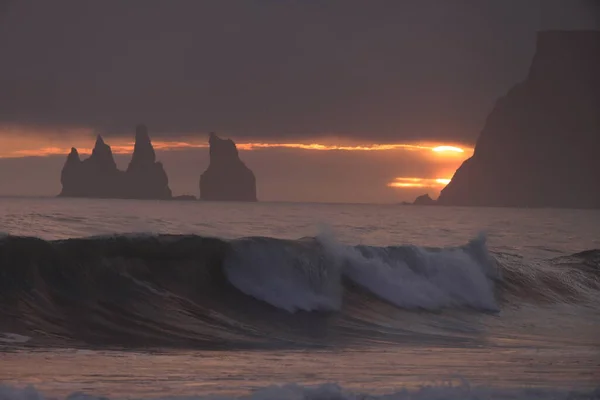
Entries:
{"x":227,"y":178}
{"x":539,"y":146}
{"x":98,"y":175}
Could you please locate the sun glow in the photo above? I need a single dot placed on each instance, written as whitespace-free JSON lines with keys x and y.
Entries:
{"x":453,"y":149}
{"x":23,"y":141}
{"x":32,"y":148}
{"x":419,"y":183}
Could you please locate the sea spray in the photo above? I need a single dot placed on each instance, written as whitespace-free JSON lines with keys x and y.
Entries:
{"x":415,"y":277}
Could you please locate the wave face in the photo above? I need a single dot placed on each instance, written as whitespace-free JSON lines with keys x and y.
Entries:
{"x":145,"y":290}
{"x":290,"y":275}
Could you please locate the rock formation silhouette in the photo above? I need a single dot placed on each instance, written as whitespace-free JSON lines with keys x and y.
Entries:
{"x":539,"y":146}
{"x":227,"y":178}
{"x":424,"y":200}
{"x":98,"y":175}
{"x":146,"y":178}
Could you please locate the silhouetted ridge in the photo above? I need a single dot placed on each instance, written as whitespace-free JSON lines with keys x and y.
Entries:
{"x":539,"y":145}
{"x":98,"y":175}
{"x":227,"y":178}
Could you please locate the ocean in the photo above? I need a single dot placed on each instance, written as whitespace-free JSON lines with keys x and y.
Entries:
{"x":122,"y":299}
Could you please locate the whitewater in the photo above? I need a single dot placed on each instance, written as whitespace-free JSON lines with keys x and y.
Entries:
{"x":171,"y":299}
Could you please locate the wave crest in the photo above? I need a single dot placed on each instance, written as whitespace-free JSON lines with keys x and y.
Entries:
{"x":415,"y":277}
{"x":196,"y":291}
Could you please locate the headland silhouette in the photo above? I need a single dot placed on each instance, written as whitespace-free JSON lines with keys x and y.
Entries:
{"x":539,"y":146}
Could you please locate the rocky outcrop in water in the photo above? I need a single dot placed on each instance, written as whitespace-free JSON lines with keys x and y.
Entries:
{"x":227,"y":178}
{"x":424,"y":200}
{"x":98,"y":175}
{"x":146,"y":178}
{"x":539,"y":146}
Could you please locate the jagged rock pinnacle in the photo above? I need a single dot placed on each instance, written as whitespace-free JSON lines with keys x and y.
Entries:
{"x":227,"y":178}
{"x":143,"y":151}
{"x":98,"y":176}
{"x":74,"y":154}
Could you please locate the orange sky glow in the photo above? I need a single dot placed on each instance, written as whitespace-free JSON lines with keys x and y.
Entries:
{"x":16,"y":142}
{"x":442,"y":157}
{"x":12,"y":151}
{"x":419,"y":182}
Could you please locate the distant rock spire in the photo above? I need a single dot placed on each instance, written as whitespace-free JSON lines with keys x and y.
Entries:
{"x":227,"y":178}
{"x":102,"y":155}
{"x":73,"y":155}
{"x":98,"y":176}
{"x":143,"y":152}
{"x":100,"y":146}
{"x":146,"y":177}
{"x":70,"y":175}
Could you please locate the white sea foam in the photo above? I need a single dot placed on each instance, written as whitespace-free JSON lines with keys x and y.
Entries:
{"x":306,"y":275}
{"x":414,"y":277}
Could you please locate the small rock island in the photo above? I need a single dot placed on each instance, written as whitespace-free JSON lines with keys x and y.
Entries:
{"x":424,"y":200}
{"x":539,"y":146}
{"x":227,"y":178}
{"x":98,"y":175}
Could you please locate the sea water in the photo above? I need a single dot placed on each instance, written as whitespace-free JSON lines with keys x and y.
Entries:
{"x":164,"y":299}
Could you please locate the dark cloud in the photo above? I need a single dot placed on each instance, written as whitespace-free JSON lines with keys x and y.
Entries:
{"x":381,"y":69}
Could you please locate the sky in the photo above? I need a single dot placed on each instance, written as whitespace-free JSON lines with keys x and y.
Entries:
{"x":378,"y":85}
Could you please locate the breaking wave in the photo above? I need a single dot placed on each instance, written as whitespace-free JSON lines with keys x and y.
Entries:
{"x":186,"y":290}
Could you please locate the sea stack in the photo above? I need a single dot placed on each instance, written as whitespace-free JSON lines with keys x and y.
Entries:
{"x":424,"y":200}
{"x":98,"y":175}
{"x":146,"y":177}
{"x":227,"y":178}
{"x":71,"y":174}
{"x":539,"y":146}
